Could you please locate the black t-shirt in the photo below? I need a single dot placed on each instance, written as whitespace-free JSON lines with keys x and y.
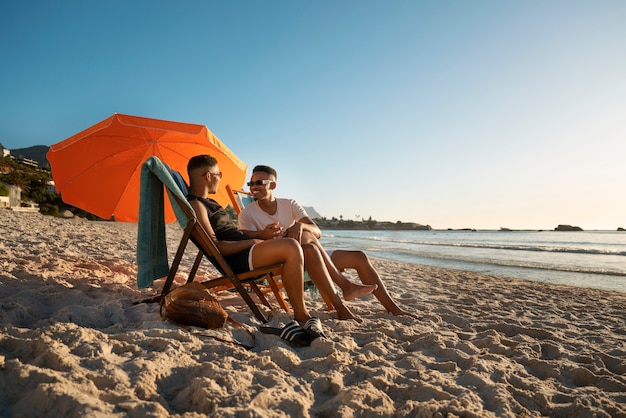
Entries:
{"x":224,"y":228}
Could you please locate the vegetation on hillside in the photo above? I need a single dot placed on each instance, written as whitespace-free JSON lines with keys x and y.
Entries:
{"x":34,"y":184}
{"x":365,"y":224}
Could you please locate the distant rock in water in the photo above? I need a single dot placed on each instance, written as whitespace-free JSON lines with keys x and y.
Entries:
{"x":621,"y":229}
{"x":568,"y":228}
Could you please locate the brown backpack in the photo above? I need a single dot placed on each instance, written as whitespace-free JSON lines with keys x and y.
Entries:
{"x":193,"y":304}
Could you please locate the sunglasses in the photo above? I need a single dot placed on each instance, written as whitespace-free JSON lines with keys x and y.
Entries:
{"x":258,"y":182}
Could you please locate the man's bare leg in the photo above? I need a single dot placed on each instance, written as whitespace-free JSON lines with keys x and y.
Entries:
{"x":288,"y":252}
{"x":319,"y":275}
{"x":359,"y":261}
{"x":350,"y":290}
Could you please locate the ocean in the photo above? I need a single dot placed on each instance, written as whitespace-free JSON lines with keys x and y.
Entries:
{"x":593,"y":259}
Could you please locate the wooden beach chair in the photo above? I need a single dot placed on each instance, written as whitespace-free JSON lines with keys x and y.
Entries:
{"x":153,"y":169}
{"x":239,"y":198}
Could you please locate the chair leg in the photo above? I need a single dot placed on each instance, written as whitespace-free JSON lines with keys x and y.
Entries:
{"x":177,"y":258}
{"x":194,"y":269}
{"x":278,"y":294}
{"x":246,"y":297}
{"x":260,"y":295}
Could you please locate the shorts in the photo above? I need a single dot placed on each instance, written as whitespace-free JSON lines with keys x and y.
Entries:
{"x":241,"y":261}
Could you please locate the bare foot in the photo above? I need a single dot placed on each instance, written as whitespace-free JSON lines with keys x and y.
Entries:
{"x":358,"y":290}
{"x":399,"y":312}
{"x":344,"y":313}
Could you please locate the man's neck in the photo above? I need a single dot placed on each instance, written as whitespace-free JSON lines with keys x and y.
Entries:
{"x":268,"y":205}
{"x":199,"y":192}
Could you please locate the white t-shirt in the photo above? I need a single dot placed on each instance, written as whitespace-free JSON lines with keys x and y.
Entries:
{"x":288,"y":212}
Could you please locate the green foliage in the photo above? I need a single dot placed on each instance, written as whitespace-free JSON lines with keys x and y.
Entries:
{"x":48,"y":209}
{"x":34,"y":184}
{"x":4,"y":190}
{"x":369,"y":224}
{"x":10,"y":162}
{"x":18,"y":178}
{"x":232,"y":213}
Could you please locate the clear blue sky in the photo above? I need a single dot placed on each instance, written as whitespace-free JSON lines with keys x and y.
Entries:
{"x":450,"y":113}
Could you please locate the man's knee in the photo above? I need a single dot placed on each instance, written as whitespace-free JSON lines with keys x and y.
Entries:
{"x":310,"y":250}
{"x":291,"y":246}
{"x":308,"y":238}
{"x":361,"y":257}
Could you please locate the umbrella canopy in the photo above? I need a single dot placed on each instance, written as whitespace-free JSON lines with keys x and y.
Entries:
{"x":98,"y":169}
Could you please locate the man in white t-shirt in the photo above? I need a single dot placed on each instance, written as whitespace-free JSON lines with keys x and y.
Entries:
{"x":269,"y":217}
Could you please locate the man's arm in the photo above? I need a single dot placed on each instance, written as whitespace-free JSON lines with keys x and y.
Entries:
{"x":304,"y":224}
{"x":224,"y":247}
{"x":310,"y":225}
{"x":269,"y":232}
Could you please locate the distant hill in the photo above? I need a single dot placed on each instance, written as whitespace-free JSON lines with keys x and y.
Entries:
{"x":312,"y":212}
{"x":36,"y":153}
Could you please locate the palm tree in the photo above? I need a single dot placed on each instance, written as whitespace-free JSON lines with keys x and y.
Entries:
{"x":17,"y":178}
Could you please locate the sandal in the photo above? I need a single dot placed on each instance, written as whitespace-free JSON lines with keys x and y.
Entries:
{"x":313,"y":327}
{"x":292,"y":333}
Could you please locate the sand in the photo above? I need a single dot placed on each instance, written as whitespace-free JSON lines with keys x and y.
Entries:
{"x":73,"y":343}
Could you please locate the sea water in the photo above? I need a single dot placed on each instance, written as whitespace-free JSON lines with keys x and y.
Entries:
{"x":595,"y":259}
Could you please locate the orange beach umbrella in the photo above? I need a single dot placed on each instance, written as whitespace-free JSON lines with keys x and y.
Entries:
{"x":98,"y":169}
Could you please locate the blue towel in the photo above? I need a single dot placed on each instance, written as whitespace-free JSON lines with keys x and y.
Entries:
{"x":152,"y":260}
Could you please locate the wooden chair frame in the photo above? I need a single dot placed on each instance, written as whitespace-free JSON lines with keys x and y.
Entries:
{"x":207,"y":248}
{"x":233,"y":194}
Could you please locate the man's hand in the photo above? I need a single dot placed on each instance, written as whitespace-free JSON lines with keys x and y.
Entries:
{"x":295,"y":231}
{"x":272,"y":231}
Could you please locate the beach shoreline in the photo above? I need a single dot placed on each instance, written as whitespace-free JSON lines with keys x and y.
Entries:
{"x":73,"y":343}
{"x":586,"y":259}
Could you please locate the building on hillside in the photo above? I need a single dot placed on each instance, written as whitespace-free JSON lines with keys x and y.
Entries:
{"x":28,"y":162}
{"x":15,"y":195}
{"x":14,"y":200}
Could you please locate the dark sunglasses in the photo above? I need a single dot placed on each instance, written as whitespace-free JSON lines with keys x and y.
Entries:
{"x":258,"y":182}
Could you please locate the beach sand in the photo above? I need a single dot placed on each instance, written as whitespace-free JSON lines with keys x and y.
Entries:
{"x":73,"y":343}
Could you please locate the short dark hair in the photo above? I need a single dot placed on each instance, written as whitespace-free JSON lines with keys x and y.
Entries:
{"x":265,"y":169}
{"x":200,"y":161}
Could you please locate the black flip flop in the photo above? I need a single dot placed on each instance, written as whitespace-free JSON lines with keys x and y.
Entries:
{"x":293,"y":333}
{"x":313,"y":327}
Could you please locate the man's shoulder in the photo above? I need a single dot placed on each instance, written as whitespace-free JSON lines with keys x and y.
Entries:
{"x":252,"y":207}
